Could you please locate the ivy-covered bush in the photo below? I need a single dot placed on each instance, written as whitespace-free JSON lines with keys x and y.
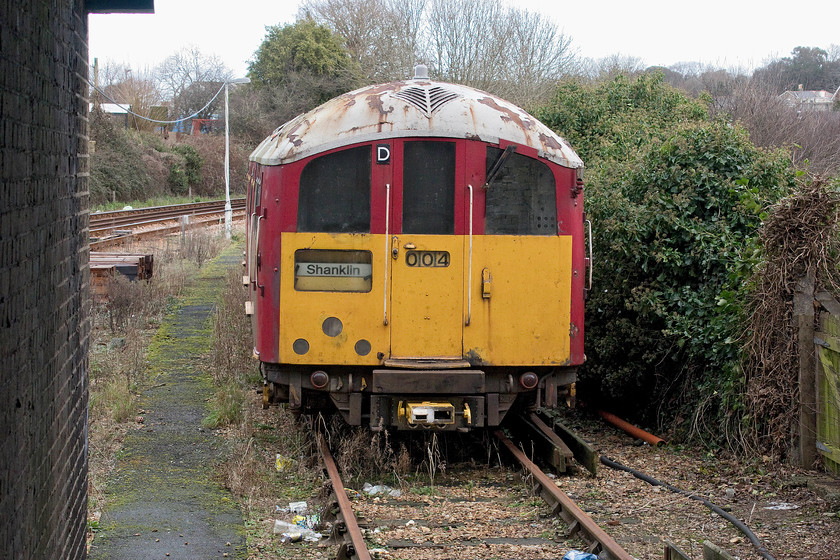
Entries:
{"x":117,"y":169}
{"x":127,"y":165}
{"x":192,"y":163}
{"x":676,"y":200}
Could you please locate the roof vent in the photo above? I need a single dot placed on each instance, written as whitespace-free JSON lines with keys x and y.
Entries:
{"x":428,"y":99}
{"x":421,"y":72}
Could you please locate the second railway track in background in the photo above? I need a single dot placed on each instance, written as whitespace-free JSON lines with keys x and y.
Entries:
{"x":113,"y":227}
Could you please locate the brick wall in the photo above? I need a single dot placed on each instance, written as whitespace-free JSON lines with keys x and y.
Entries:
{"x":44,"y":301}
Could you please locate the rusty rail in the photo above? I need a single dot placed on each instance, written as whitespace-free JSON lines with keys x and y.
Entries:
{"x":353,"y":544}
{"x":156,"y":219}
{"x":122,"y":218}
{"x":599,"y":542}
{"x":545,"y":440}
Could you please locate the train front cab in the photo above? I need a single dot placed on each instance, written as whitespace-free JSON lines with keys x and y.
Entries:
{"x":413,"y":286}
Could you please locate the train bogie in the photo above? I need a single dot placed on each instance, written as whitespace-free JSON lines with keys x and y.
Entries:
{"x":416,"y":259}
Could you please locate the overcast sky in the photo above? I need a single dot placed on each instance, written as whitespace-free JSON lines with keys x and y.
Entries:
{"x":728,"y":34}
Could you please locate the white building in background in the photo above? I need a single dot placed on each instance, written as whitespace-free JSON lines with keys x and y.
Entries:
{"x":809,"y":100}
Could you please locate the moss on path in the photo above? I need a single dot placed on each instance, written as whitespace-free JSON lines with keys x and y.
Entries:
{"x":161,"y":495}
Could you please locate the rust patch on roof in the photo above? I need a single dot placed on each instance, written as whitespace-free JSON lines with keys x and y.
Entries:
{"x":293,"y":137}
{"x":383,"y":88}
{"x":507,"y":114}
{"x":375,"y":102}
{"x":550,"y":142}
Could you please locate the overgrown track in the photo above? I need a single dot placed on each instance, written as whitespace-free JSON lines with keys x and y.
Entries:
{"x":598,"y":541}
{"x":112,"y":228}
{"x":473,"y":512}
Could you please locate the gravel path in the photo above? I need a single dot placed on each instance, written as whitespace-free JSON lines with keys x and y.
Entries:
{"x":162,"y":500}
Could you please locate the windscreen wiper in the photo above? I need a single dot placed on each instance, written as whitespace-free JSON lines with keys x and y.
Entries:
{"x":500,"y":163}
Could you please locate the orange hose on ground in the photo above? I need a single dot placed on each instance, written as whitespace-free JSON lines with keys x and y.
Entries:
{"x":637,"y":433}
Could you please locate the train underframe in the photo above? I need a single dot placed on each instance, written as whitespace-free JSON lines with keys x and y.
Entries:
{"x":411,"y":399}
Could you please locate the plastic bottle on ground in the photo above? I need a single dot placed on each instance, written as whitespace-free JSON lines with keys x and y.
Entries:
{"x":579,"y":555}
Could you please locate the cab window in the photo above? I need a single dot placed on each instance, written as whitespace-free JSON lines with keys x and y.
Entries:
{"x":522,"y":199}
{"x":334,"y":194}
{"x":429,"y":187}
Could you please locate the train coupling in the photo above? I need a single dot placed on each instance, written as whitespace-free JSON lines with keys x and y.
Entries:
{"x":430,"y":414}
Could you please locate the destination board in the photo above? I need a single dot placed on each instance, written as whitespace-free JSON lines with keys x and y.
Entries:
{"x":344,"y":270}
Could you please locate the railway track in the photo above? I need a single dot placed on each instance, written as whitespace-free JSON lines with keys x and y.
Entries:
{"x":116,"y":227}
{"x":443,"y":522}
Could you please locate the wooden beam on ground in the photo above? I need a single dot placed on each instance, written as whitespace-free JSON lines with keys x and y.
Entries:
{"x":673,"y":552}
{"x":711,"y":551}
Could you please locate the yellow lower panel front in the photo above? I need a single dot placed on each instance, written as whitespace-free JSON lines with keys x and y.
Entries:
{"x":315,"y":316}
{"x":525,"y":318}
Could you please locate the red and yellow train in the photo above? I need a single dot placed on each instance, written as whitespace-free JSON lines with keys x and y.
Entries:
{"x":416,"y":258}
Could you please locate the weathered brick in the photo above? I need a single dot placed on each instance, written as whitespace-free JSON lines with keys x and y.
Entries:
{"x":44,"y":326}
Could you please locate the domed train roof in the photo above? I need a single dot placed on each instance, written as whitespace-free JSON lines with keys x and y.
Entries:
{"x":420,"y":108}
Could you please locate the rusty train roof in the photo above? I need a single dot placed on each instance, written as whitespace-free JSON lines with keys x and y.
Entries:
{"x":420,"y":108}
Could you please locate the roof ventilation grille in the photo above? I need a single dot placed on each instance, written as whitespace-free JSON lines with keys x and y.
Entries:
{"x":428,"y":99}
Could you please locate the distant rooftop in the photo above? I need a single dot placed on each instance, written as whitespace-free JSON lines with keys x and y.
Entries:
{"x":811,"y":100}
{"x":111,"y":108}
{"x":810,"y":95}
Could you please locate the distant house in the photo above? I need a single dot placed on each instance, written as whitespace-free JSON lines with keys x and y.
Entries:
{"x":117,"y":113}
{"x":204,"y":126}
{"x":196,"y":127}
{"x":809,"y":100}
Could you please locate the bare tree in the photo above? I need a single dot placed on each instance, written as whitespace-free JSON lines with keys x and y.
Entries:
{"x":812,"y":137}
{"x":133,"y":89}
{"x":515,"y":53}
{"x":608,"y":67}
{"x":721,"y":83}
{"x":466,"y":40}
{"x":188,"y":76}
{"x":539,"y":54}
{"x":382,"y":36}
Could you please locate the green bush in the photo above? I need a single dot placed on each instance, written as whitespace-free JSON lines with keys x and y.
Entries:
{"x":178,"y":183}
{"x":127,"y":165}
{"x":117,"y":169}
{"x":192,"y":163}
{"x":676,"y":200}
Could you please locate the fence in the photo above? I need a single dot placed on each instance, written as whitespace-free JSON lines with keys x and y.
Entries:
{"x":827,"y":381}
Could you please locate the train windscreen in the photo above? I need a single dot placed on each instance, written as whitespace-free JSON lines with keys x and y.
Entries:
{"x":522,"y":198}
{"x":334,"y":195}
{"x":429,"y":188}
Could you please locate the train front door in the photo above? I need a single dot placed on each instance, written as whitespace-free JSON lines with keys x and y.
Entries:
{"x":427,"y":255}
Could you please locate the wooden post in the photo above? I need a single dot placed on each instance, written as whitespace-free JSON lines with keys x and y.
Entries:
{"x":673,"y":552}
{"x":803,"y":317}
{"x":711,"y":551}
